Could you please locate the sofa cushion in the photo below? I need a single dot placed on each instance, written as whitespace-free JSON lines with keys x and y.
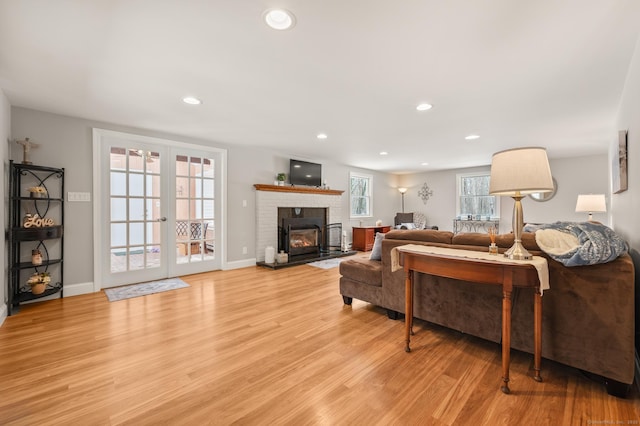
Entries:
{"x":362,"y":270}
{"x":427,"y":235}
{"x":472,"y":239}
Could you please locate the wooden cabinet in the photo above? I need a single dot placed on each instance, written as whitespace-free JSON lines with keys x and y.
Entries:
{"x":36,"y":218}
{"x":363,"y":237}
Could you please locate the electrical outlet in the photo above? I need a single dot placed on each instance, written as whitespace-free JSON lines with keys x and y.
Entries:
{"x":244,"y":203}
{"x":244,"y":250}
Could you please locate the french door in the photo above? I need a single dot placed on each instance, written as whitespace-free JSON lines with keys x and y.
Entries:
{"x":157,"y":209}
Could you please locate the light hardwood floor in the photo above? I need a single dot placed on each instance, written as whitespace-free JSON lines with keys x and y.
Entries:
{"x":256,"y":346}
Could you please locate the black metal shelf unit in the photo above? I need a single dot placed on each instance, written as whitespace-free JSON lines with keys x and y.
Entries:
{"x":45,"y":235}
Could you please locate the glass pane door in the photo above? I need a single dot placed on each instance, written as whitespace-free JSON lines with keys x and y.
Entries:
{"x":195,"y":211}
{"x":159,"y":213}
{"x":136,"y":221}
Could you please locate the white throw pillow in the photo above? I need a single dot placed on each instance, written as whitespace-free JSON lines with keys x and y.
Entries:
{"x":376,"y":252}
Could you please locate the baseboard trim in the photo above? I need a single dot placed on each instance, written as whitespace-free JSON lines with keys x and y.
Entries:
{"x":3,"y":313}
{"x":239,"y":264}
{"x":78,"y":289}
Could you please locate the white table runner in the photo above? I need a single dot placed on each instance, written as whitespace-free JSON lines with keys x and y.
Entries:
{"x":540,"y":263}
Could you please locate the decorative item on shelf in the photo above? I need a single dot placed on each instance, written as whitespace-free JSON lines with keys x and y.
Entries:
{"x":37,"y":192}
{"x":378,"y":222}
{"x":35,"y":221}
{"x":38,"y":282}
{"x":591,"y":203}
{"x":493,"y":248}
{"x":26,"y":148}
{"x":517,"y":173}
{"x":281,"y":177}
{"x":36,"y":257}
{"x":425,"y":193}
{"x":282,"y":257}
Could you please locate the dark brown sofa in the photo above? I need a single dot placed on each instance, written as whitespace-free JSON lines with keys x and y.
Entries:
{"x":588,"y":313}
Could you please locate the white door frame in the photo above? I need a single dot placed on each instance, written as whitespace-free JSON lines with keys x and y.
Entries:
{"x":100,"y":217}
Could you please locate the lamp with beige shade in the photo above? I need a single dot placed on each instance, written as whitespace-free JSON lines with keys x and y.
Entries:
{"x":591,"y":203}
{"x":517,"y":173}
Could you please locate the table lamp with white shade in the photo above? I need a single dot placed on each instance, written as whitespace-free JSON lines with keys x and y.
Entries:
{"x":591,"y":203}
{"x":516,"y":173}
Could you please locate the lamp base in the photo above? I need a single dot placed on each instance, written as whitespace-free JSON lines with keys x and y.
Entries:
{"x":518,"y":252}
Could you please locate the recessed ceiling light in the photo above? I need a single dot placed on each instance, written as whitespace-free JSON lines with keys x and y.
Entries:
{"x":424,"y":107}
{"x":424,"y":164}
{"x":383,"y":153}
{"x":279,"y":19}
{"x":322,"y":136}
{"x":471,"y":137}
{"x":191,"y":100}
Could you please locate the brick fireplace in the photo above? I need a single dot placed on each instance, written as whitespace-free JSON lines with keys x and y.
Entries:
{"x":270,"y":197}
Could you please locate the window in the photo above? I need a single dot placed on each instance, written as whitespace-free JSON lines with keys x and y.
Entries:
{"x":473,"y":196}
{"x":360,"y":193}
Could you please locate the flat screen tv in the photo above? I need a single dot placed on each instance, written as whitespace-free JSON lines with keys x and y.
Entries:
{"x":305,"y":173}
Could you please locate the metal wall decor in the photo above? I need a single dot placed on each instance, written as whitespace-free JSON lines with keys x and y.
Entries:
{"x":425,"y":193}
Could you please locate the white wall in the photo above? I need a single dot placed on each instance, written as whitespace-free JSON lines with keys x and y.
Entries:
{"x":67,"y":142}
{"x":5,"y":134}
{"x":626,"y":205}
{"x":580,"y":175}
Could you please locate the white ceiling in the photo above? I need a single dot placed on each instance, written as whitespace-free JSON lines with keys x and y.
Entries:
{"x":516,"y":72}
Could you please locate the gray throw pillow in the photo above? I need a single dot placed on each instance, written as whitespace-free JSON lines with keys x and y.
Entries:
{"x":376,"y":252}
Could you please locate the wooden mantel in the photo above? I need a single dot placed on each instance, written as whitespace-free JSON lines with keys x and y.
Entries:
{"x":301,"y":189}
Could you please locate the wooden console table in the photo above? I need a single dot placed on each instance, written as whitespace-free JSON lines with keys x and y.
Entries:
{"x":481,"y":268}
{"x":363,"y":237}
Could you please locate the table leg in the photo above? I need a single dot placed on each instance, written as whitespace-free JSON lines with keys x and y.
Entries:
{"x":408,"y":308}
{"x":537,"y":335}
{"x":506,"y":338}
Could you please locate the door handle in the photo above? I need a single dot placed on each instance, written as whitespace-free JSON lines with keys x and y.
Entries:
{"x":162,"y":219}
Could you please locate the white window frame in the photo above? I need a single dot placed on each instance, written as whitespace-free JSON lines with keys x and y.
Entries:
{"x":369,"y":195}
{"x":459,"y":177}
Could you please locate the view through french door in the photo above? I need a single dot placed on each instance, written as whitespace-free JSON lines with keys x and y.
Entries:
{"x":158,"y":209}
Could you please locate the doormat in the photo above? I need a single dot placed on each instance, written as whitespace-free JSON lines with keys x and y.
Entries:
{"x":327,"y":264}
{"x":144,"y":289}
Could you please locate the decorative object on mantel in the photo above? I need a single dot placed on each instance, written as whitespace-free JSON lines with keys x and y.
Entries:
{"x":281,"y":178}
{"x":425,"y":193}
{"x":26,"y":148}
{"x":591,"y":203}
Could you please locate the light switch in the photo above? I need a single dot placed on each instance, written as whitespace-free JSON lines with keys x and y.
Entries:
{"x":79,"y":197}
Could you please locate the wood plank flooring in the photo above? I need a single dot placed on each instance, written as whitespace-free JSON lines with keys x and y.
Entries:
{"x":258,"y":346}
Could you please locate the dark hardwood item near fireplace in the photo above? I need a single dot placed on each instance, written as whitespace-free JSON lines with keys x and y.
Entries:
{"x":507,"y":275}
{"x":363,"y":237}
